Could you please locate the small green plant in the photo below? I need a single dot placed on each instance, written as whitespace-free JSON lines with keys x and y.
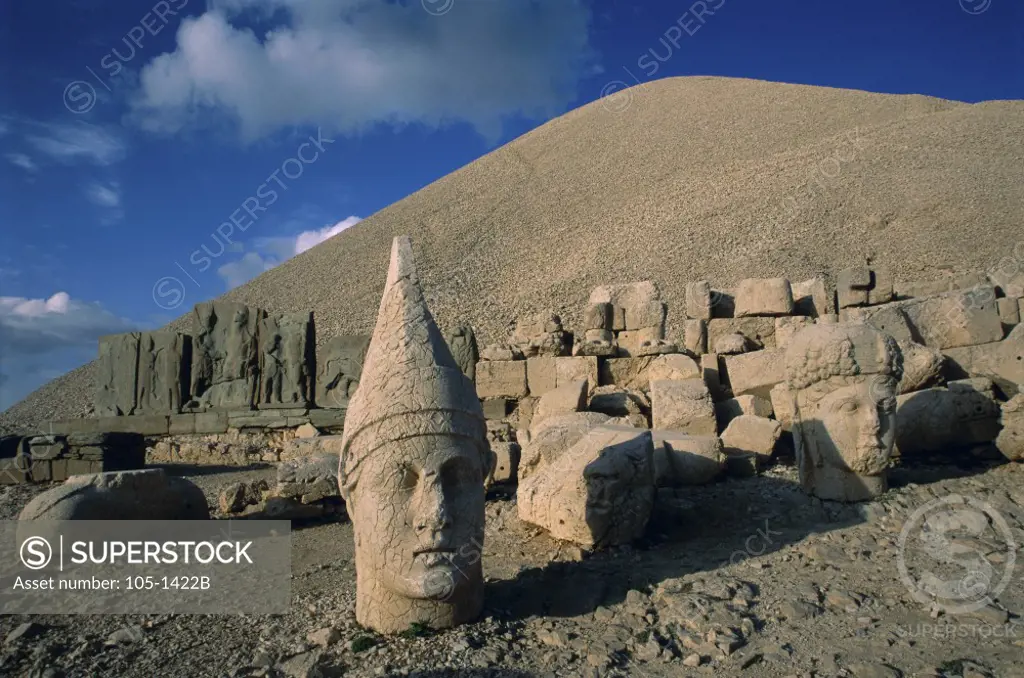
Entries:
{"x":416,"y":630}
{"x":363,"y":643}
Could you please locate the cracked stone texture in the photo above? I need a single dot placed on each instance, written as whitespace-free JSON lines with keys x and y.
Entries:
{"x":462,"y":343}
{"x":598,"y":493}
{"x":412,"y":465}
{"x":1011,"y":438}
{"x":164,"y":359}
{"x":117,"y":370}
{"x":683,"y":405}
{"x":845,"y":378}
{"x":937,"y":419}
{"x":225,"y":355}
{"x":548,"y":439}
{"x":339,"y":367}
{"x":286,"y":346}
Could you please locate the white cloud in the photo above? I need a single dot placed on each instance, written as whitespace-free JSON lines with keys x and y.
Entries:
{"x":104,"y":195}
{"x":23,"y":161}
{"x":34,"y":326}
{"x":245,"y":269}
{"x":348,"y":64}
{"x":310,"y":239}
{"x":70,"y":143}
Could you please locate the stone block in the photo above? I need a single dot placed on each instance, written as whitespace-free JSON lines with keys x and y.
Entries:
{"x":58,"y":470}
{"x":727,"y":410}
{"x":599,"y":493}
{"x":79,"y":467}
{"x":812,"y":298}
{"x":598,"y":343}
{"x":211,"y":422}
{"x":904,"y":289}
{"x":645,"y":313}
{"x":548,"y":440}
{"x":522,"y":415}
{"x":881,"y":290}
{"x":1010,"y":441}
{"x":922,"y":366}
{"x":506,"y":464}
{"x":634,"y":343}
{"x":616,"y":401}
{"x":15,"y":470}
{"x":144,"y":424}
{"x":629,"y":301}
{"x":852,"y":285}
{"x":698,"y":300}
{"x":695,"y":336}
{"x":225,"y":355}
{"x":683,"y":460}
{"x":1009,"y":311}
{"x":181,"y":424}
{"x":786,"y":327}
{"x":711,"y":374}
{"x":165,"y":359}
{"x":673,"y":366}
{"x":944,"y":420}
{"x":339,"y":367}
{"x":598,"y":317}
{"x":541,"y":375}
{"x":571,"y":397}
{"x":723,"y":303}
{"x":496,"y":408}
{"x":755,"y":373}
{"x":318,"y":446}
{"x":83,"y":425}
{"x":783,"y":406}
{"x":1010,"y":279}
{"x":760,"y":332}
{"x":748,"y":434}
{"x":117,"y":375}
{"x":763,"y":297}
{"x":571,"y":369}
{"x":683,"y":405}
{"x":47,"y":447}
{"x":287,"y":360}
{"x":501,"y":379}
{"x":636,"y":373}
{"x":328,"y":419}
{"x":954,"y":320}
{"x":888,"y":318}
{"x":271,"y":419}
{"x":1002,"y":361}
{"x":462,"y":343}
{"x":732,"y":344}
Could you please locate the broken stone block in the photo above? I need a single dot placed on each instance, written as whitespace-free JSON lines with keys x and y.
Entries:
{"x":760,"y":332}
{"x":755,"y":373}
{"x":287,"y":358}
{"x":698,"y":300}
{"x":570,"y":369}
{"x":783,"y":406}
{"x":881,"y":290}
{"x":549,"y":439}
{"x":501,"y":379}
{"x":330,"y":419}
{"x":540,"y":375}
{"x":673,"y":366}
{"x":616,"y":401}
{"x":786,"y":327}
{"x":710,"y":373}
{"x":852,"y":285}
{"x":922,"y":366}
{"x":541,"y":334}
{"x":636,"y":373}
{"x":506,"y":464}
{"x":1009,"y":311}
{"x":598,"y":317}
{"x":748,"y":433}
{"x":646,"y":341}
{"x":571,"y":397}
{"x":683,"y":405}
{"x":462,"y":344}
{"x":828,"y":319}
{"x":645,"y":313}
{"x":1010,"y":441}
{"x":1002,"y":361}
{"x":630,"y":303}
{"x":600,"y":343}
{"x":496,"y":408}
{"x":1010,"y":279}
{"x":163,"y":377}
{"x":954,"y":320}
{"x":599,"y":493}
{"x":695,"y":337}
{"x":147,"y":494}
{"x":522,"y":415}
{"x":763,"y":297}
{"x":117,"y":375}
{"x":225,"y":355}
{"x":313,"y":477}
{"x":500,"y":352}
{"x":732,"y":344}
{"x":888,"y":318}
{"x":687,"y":459}
{"x":727,"y":410}
{"x":339,"y":367}
{"x":941,"y":419}
{"x":811,"y":298}
{"x":47,"y":447}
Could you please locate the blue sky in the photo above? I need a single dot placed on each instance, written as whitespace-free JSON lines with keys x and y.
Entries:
{"x":130,"y":132}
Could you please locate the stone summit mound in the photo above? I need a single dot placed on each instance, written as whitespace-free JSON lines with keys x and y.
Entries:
{"x":677,"y":180}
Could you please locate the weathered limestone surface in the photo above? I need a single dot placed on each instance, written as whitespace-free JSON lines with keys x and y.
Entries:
{"x":682,"y":405}
{"x":695,"y":336}
{"x":852,"y":285}
{"x":729,"y":409}
{"x":501,"y":379}
{"x":1009,"y":311}
{"x":412,"y":467}
{"x":147,"y":494}
{"x":599,"y":493}
{"x":922,"y":366}
{"x":749,"y":433}
{"x":711,"y":374}
{"x":956,"y":319}
{"x":308,"y":479}
{"x":1002,"y":362}
{"x":339,"y":367}
{"x":506,"y":464}
{"x":571,"y":397}
{"x":888,"y":318}
{"x":681,"y":459}
{"x":637,"y":373}
{"x":225,"y":355}
{"x":548,"y":439}
{"x":630,"y":302}
{"x":763,"y":297}
{"x":698,"y":300}
{"x":541,"y":334}
{"x":811,"y":298}
{"x":117,"y":370}
{"x":755,"y":373}
{"x":760,"y":332}
{"x":732,"y":344}
{"x":947,"y":419}
{"x":287,"y":357}
{"x":616,"y":401}
{"x":787,"y":327}
{"x":783,"y":406}
{"x":462,"y":342}
{"x":845,"y":378}
{"x":163,"y":377}
{"x":1011,"y":438}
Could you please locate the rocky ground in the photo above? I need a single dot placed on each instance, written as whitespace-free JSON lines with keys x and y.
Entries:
{"x":744,"y":577}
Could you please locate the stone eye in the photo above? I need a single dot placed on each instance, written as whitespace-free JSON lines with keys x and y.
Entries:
{"x":848,"y":406}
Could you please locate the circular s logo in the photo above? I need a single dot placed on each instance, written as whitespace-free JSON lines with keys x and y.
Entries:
{"x":36,"y":553}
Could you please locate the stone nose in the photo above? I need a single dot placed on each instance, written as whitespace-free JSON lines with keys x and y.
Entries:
{"x":432,"y":512}
{"x":871,"y":421}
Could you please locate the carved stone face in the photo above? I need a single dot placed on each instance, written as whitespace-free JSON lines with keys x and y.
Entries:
{"x":853,"y":426}
{"x":418,"y":511}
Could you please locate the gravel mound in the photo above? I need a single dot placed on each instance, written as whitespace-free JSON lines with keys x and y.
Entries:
{"x":675,"y":180}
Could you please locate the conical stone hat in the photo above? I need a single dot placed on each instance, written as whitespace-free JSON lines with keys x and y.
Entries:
{"x":410,"y":385}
